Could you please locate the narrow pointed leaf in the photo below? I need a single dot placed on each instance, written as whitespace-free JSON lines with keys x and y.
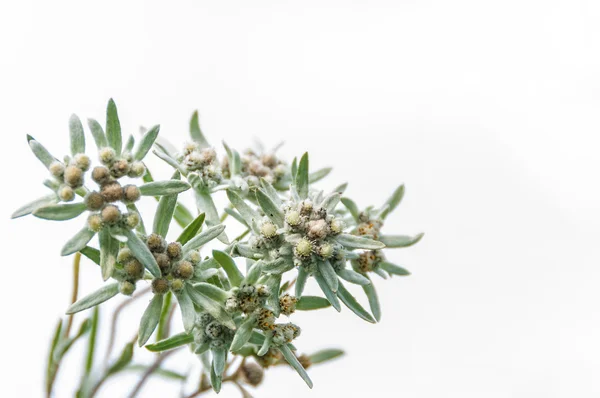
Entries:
{"x":300,"y":281}
{"x":271,"y":192}
{"x":164,"y":214}
{"x":211,"y":291}
{"x":353,"y":277}
{"x":233,"y":273}
{"x":188,"y":313}
{"x":271,"y":209}
{"x":393,"y":269}
{"x":159,"y":188}
{"x":146,"y":143}
{"x":394,"y":201}
{"x":302,"y":177}
{"x":325,"y":355}
{"x":113,"y":127}
{"x":91,"y":300}
{"x":331,"y":201}
{"x":309,"y":303}
{"x":195,"y":131}
{"x":77,"y":136}
{"x":358,"y":242}
{"x":203,"y":237}
{"x":34,"y":205}
{"x":243,"y":334}
{"x":352,"y":207}
{"x":191,"y":229}
{"x":394,"y":241}
{"x":319,"y":174}
{"x":164,"y":316}
{"x":247,"y":213}
{"x":278,"y":266}
{"x":172,"y":342}
{"x":328,"y":292}
{"x":150,"y":319}
{"x":350,"y":302}
{"x":91,"y":253}
{"x":41,"y":153}
{"x":141,"y":252}
{"x":124,"y":359}
{"x":182,"y":215}
{"x":77,"y":242}
{"x":97,"y":133}
{"x":211,"y":306}
{"x":294,"y":363}
{"x":109,"y":249}
{"x":253,"y":273}
{"x":215,"y":380}
{"x":129,"y":144}
{"x":205,"y":203}
{"x":328,"y":274}
{"x":60,"y":212}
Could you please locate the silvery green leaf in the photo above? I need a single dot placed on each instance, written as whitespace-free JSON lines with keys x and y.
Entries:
{"x":109,"y":249}
{"x":123,"y":360}
{"x":233,"y":273}
{"x":182,"y":215}
{"x":168,"y":159}
{"x":353,"y":277}
{"x":378,"y":271}
{"x":247,"y":251}
{"x":211,"y":306}
{"x":52,"y":184}
{"x":328,"y":292}
{"x":40,"y":152}
{"x":273,"y":282}
{"x":77,"y":242}
{"x":97,"y":133}
{"x":141,"y":228}
{"x":319,"y":174}
{"x":393,"y":269}
{"x":202,"y":238}
{"x":141,"y":252}
{"x":146,"y":143}
{"x":215,"y":379}
{"x":201,"y":349}
{"x":270,"y":208}
{"x":60,"y":212}
{"x":204,"y":275}
{"x":150,"y":319}
{"x":191,"y":230}
{"x":172,"y":342}
{"x":51,"y":366}
{"x":188,"y":312}
{"x":328,"y":274}
{"x":331,"y":201}
{"x":243,"y":333}
{"x":91,"y":253}
{"x":279,"y":266}
{"x":211,"y":291}
{"x":294,"y":168}
{"x":253,"y":273}
{"x":350,"y":302}
{"x":300,"y":281}
{"x":129,"y":144}
{"x":166,"y":373}
{"x":77,"y":136}
{"x":352,"y":207}
{"x":113,"y":127}
{"x":164,"y":214}
{"x":373,"y":299}
{"x":195,"y":131}
{"x":341,"y":188}
{"x":393,"y":201}
{"x":205,"y":204}
{"x":235,"y":166}
{"x":393,"y":241}
{"x":93,"y":299}
{"x":325,"y":355}
{"x":266,"y":344}
{"x":63,"y":346}
{"x":236,"y":215}
{"x":117,"y":233}
{"x":247,"y":213}
{"x":309,"y":303}
{"x":358,"y":242}
{"x":208,"y":264}
{"x":32,"y":206}
{"x":301,"y":181}
{"x":271,"y":192}
{"x":159,"y":188}
{"x":294,"y":363}
{"x":257,"y":338}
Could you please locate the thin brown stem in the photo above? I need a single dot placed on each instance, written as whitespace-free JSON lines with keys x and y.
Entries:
{"x":159,"y":360}
{"x":76,"y":263}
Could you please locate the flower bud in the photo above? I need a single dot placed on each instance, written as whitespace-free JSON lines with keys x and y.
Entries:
{"x":127,"y":288}
{"x":163,"y":262}
{"x":217,"y":343}
{"x":160,"y":285}
{"x":326,"y":250}
{"x":119,"y":168}
{"x":177,"y":285}
{"x":132,"y":220}
{"x":189,"y":147}
{"x":131,"y":193}
{"x":253,"y":374}
{"x":100,"y":175}
{"x":112,"y":191}
{"x":57,"y":169}
{"x":94,"y":201}
{"x":107,"y":155}
{"x":287,"y":304}
{"x":134,"y":269}
{"x":303,"y":248}
{"x":306,"y":207}
{"x":82,"y":161}
{"x":231,"y":305}
{"x":95,"y":222}
{"x":174,"y":250}
{"x":194,"y":256}
{"x":66,"y":193}
{"x":292,"y":218}
{"x":127,"y":156}
{"x":110,"y":214}
{"x":263,"y":291}
{"x":124,"y":255}
{"x":213,"y":330}
{"x":318,"y":229}
{"x":268,"y":229}
{"x":336,"y":226}
{"x":156,"y":243}
{"x":73,"y":176}
{"x":207,"y":155}
{"x":185,"y":270}
{"x":137,"y":169}
{"x":265,"y":319}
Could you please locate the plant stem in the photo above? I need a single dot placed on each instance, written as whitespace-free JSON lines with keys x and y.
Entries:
{"x":159,"y":360}
{"x":76,"y":262}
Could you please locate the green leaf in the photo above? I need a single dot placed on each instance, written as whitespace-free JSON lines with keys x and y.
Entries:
{"x":215,"y":380}
{"x":172,"y":342}
{"x":351,"y":303}
{"x":129,"y":143}
{"x":393,"y":269}
{"x":341,"y":188}
{"x":109,"y":249}
{"x":89,"y":359}
{"x":211,"y":291}
{"x":51,"y":366}
{"x":253,"y":273}
{"x":124,"y":359}
{"x":328,"y":274}
{"x":188,"y":313}
{"x":279,"y":266}
{"x":301,"y":281}
{"x":195,"y":131}
{"x":319,"y":175}
{"x":182,"y":215}
{"x":294,"y":363}
{"x":394,"y":241}
{"x":141,"y":252}
{"x":219,"y":360}
{"x":41,"y":152}
{"x":113,"y":127}
{"x":60,"y":212}
{"x":150,"y":319}
{"x":271,"y":192}
{"x":331,"y":201}
{"x":159,"y":188}
{"x":302,"y":177}
{"x":202,"y":238}
{"x":97,"y":133}
{"x":358,"y":242}
{"x":146,"y":143}
{"x":91,"y":300}
{"x":205,"y":204}
{"x":271,"y":209}
{"x":30,"y":207}
{"x":352,"y":207}
{"x":91,"y":253}
{"x":166,"y":373}
{"x":243,"y":333}
{"x":77,"y":135}
{"x":325,"y":355}
{"x":353,"y":277}
{"x":294,"y":168}
{"x":233,"y":273}
{"x":211,"y":306}
{"x":77,"y":242}
{"x":247,"y":213}
{"x":328,"y":292}
{"x":164,"y":214}
{"x":191,"y":230}
{"x":66,"y":343}
{"x":371,"y":294}
{"x":309,"y":303}
{"x":393,"y":201}
{"x":235,"y":165}
{"x":164,"y":316}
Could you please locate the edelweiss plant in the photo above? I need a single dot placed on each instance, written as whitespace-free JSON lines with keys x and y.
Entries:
{"x":293,"y":232}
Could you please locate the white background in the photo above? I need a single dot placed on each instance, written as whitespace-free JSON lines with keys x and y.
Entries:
{"x":487,"y":110}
